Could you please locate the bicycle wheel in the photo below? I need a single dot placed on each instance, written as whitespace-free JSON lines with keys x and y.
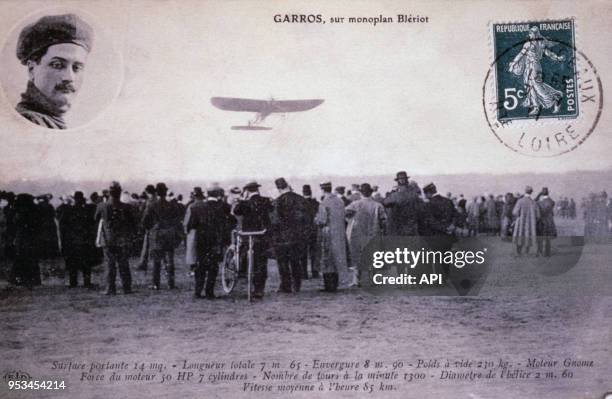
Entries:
{"x":229,"y":270}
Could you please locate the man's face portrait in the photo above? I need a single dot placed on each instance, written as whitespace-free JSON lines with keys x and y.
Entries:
{"x":58,"y":73}
{"x":54,"y":51}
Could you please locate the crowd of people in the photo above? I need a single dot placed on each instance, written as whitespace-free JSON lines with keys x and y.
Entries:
{"x":308,"y":237}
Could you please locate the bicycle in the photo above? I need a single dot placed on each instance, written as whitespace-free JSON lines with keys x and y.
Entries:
{"x":230,"y":270}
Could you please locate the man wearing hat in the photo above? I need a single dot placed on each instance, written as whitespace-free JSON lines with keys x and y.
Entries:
{"x":403,"y":207}
{"x":255,"y":212}
{"x":291,"y":224}
{"x":118,"y":229}
{"x":54,"y":49}
{"x":48,"y":238}
{"x":330,"y":218}
{"x":437,"y":222}
{"x":367,"y":219}
{"x":340,"y":191}
{"x":78,"y":234}
{"x":311,"y":249}
{"x":191,"y":249}
{"x":205,"y":224}
{"x":438,"y":213}
{"x":163,"y":219}
{"x":376,"y":195}
{"x":143,"y":264}
{"x":526,"y":213}
{"x":546,"y":228}
{"x":355,"y":193}
{"x":26,"y":270}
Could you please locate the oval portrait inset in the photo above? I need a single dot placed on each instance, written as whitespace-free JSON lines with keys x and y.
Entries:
{"x":59,"y":70}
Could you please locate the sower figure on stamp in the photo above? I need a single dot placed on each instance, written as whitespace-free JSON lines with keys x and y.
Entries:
{"x":528,"y":64}
{"x":290,"y":234}
{"x":255,"y":212}
{"x":78,"y":233}
{"x":206,"y":222}
{"x":330,"y":218}
{"x":526,"y":213}
{"x":118,"y":227}
{"x":162,"y":218}
{"x":546,"y":228}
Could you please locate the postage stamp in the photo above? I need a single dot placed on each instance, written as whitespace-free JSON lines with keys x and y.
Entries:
{"x":542,"y":96}
{"x":535,"y":70}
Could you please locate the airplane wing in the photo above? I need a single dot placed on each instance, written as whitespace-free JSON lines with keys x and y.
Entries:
{"x":264,"y":107}
{"x":240,"y":104}
{"x":294,"y":105}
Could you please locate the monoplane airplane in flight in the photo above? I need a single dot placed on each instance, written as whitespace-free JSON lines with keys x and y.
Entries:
{"x":262,"y":108}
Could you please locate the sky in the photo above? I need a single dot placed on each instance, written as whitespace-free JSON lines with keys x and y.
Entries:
{"x":397,"y":96}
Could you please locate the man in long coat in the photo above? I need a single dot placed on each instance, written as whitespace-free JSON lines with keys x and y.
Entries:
{"x":291,"y":217}
{"x":162,"y":218}
{"x":206,"y":221}
{"x":507,"y":218}
{"x":526,"y":213}
{"x":48,"y":238}
{"x":118,"y":229}
{"x":26,"y":269}
{"x":405,"y":206}
{"x":78,"y":233}
{"x":367,"y":220}
{"x":333,"y":239}
{"x":492,"y":218}
{"x":191,"y":248}
{"x":255,"y":212}
{"x":311,"y":251}
{"x":144,"y":253}
{"x":546,"y":228}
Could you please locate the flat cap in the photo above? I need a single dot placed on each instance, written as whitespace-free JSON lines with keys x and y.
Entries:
{"x":53,"y":29}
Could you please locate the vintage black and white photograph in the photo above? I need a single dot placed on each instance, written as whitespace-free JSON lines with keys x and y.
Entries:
{"x":266,"y":199}
{"x":59,"y":70}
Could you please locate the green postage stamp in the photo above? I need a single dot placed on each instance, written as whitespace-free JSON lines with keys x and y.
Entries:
{"x":542,"y":95}
{"x":535,"y":70}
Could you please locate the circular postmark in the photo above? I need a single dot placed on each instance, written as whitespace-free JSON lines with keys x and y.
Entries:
{"x":542,"y":97}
